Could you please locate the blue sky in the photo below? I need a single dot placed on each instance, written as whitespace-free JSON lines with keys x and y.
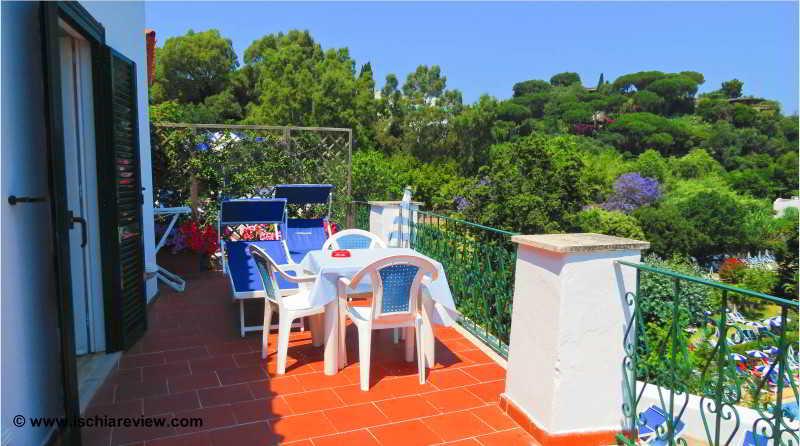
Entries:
{"x":486,"y":48}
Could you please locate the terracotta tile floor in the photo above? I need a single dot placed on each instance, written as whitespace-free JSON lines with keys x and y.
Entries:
{"x":192,"y":363}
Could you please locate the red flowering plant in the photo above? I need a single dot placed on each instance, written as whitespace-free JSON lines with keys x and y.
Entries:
{"x":731,"y":269}
{"x":201,"y":239}
{"x":331,"y":227}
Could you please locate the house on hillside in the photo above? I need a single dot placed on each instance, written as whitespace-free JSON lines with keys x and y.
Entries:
{"x":77,"y":221}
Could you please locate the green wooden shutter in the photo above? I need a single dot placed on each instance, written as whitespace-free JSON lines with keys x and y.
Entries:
{"x":120,"y":191}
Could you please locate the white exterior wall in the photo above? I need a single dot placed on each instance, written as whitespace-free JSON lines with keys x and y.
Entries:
{"x":31,"y":371}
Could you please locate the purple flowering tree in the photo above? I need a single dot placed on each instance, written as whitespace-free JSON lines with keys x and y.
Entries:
{"x":461,"y":203}
{"x":632,"y":191}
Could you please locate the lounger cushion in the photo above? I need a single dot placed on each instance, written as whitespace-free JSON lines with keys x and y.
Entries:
{"x":242,"y":268}
{"x":304,"y":235}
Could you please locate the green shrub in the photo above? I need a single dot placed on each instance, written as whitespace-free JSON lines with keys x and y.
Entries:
{"x":608,"y":222}
{"x":657,"y":298}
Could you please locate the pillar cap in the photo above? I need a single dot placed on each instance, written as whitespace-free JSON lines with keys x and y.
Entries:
{"x":579,"y":243}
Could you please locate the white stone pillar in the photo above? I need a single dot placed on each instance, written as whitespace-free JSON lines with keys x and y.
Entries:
{"x":565,"y":377}
{"x":384,"y":220}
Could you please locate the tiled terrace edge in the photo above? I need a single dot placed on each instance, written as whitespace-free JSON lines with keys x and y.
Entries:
{"x":565,"y":377}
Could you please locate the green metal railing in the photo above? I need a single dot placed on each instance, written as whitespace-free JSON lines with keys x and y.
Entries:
{"x":358,"y":216}
{"x":479,"y":262}
{"x":687,"y":341}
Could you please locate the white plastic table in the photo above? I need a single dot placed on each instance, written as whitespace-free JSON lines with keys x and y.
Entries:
{"x":437,"y":299}
{"x":171,"y":279}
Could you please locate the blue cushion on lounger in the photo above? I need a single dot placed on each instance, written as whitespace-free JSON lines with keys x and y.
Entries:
{"x":242,"y":268}
{"x":304,"y":235}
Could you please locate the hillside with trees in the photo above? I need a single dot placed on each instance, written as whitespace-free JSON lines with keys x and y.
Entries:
{"x":643,"y":155}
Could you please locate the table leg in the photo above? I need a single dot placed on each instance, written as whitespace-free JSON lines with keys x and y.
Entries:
{"x":331,"y":337}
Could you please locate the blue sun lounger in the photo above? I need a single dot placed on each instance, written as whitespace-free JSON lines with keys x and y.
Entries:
{"x":651,"y":420}
{"x":752,"y":439}
{"x":236,"y":259}
{"x":305,"y":234}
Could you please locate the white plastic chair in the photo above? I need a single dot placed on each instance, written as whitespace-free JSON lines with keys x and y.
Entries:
{"x":289,"y":307}
{"x":353,"y":239}
{"x":395,"y":304}
{"x":358,"y":239}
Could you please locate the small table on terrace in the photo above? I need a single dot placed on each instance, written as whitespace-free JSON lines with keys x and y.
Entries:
{"x":172,"y":280}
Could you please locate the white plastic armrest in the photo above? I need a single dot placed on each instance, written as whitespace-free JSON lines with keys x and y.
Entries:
{"x":301,"y":276}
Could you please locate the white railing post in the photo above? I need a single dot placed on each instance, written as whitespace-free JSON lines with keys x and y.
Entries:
{"x":565,"y":375}
{"x":387,"y":221}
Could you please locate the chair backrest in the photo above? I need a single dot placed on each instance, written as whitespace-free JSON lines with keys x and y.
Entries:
{"x":304,"y":193}
{"x":396,"y":284}
{"x":256,"y":211}
{"x":234,"y":214}
{"x":353,"y":239}
{"x":268,"y":270}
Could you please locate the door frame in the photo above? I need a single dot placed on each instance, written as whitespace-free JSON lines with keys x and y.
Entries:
{"x":79,"y":19}
{"x":89,"y":203}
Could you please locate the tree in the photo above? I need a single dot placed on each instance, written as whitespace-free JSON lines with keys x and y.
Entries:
{"x":677,"y":91}
{"x":638,"y":81}
{"x":641,"y":131}
{"x":530,"y":184}
{"x":647,"y":101}
{"x":718,"y":215}
{"x":299,"y":83}
{"x":532,"y":86}
{"x":376,"y":176}
{"x":425,"y":83}
{"x":744,"y":115}
{"x":510,"y":111}
{"x":192,"y":67}
{"x":786,"y":254}
{"x":651,"y":164}
{"x":632,"y":191}
{"x":732,"y":88}
{"x":696,"y":164}
{"x":390,"y":86}
{"x":713,"y":110}
{"x":667,"y":231}
{"x":473,"y":128}
{"x":565,"y":79}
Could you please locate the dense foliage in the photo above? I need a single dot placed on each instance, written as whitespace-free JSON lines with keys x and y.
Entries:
{"x":642,"y":156}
